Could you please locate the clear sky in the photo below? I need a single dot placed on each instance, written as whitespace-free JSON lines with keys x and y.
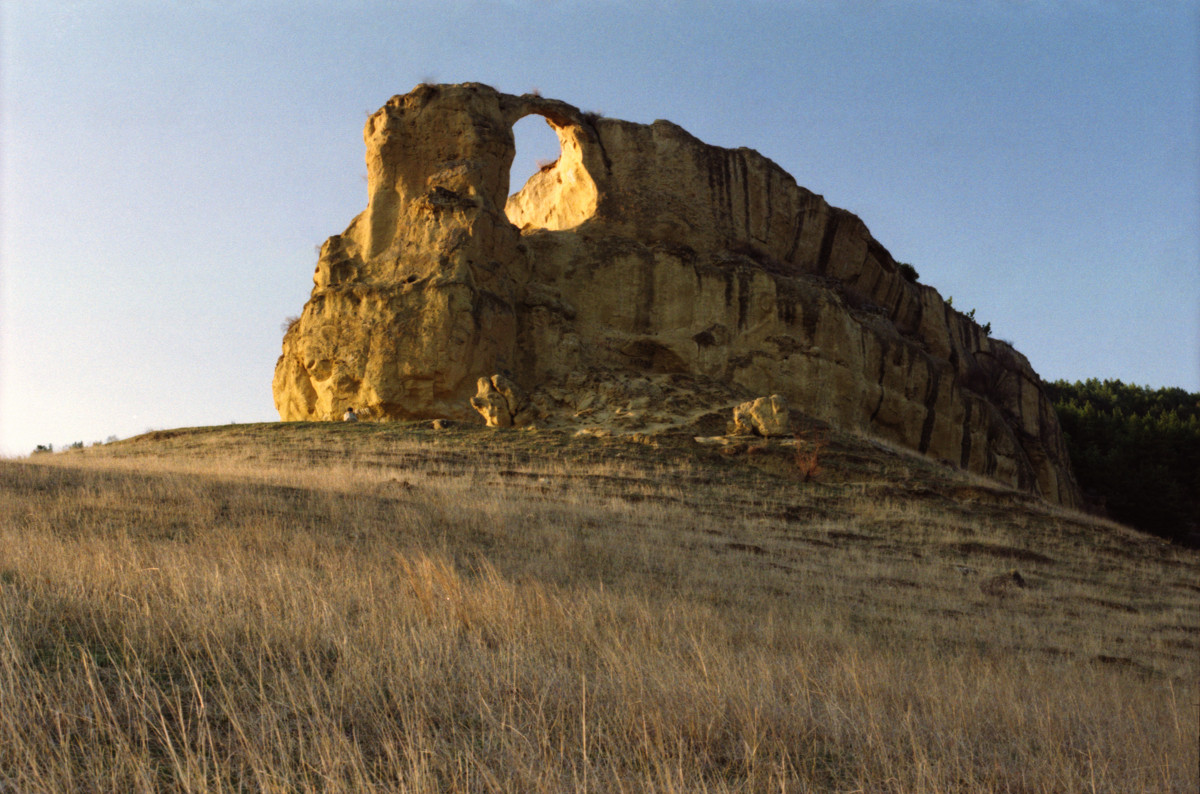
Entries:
{"x":169,"y":168}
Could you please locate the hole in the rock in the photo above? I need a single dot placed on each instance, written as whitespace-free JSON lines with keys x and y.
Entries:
{"x":537,"y":146}
{"x":551,"y":187}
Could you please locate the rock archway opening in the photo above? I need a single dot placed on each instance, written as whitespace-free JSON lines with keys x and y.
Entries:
{"x":551,"y":186}
{"x":537,"y":148}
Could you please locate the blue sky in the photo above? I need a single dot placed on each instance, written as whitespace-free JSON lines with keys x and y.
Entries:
{"x":169,"y":168}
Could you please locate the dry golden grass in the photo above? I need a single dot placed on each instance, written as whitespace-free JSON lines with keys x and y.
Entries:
{"x":388,"y":608}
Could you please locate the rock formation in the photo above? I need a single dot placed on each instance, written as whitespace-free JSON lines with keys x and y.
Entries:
{"x":642,"y":281}
{"x":766,"y":416}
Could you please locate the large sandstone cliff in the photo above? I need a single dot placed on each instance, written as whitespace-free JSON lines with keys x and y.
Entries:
{"x":643,"y":279}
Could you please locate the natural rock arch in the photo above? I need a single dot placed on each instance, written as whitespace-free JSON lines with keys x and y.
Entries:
{"x":536,"y":144}
{"x":645,"y":281}
{"x":561,"y":195}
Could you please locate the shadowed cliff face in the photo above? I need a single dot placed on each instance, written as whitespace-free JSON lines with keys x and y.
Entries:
{"x":642,"y":281}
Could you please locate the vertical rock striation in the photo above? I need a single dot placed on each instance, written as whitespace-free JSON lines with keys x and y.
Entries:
{"x":641,"y":280}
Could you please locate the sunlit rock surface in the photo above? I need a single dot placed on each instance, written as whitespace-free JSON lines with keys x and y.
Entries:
{"x":641,"y":282}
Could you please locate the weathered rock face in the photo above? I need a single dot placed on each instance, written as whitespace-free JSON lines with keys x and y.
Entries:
{"x":643,"y":280}
{"x":766,"y":416}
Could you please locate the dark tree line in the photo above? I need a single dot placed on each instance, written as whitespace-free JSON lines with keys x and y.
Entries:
{"x":1135,"y":452}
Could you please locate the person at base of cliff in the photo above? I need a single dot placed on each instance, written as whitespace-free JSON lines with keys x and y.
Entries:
{"x":350,"y":416}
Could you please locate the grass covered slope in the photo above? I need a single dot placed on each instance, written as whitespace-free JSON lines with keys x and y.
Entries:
{"x":385,"y":607}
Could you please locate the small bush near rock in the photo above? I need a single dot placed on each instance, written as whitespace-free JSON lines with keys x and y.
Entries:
{"x":808,"y":456}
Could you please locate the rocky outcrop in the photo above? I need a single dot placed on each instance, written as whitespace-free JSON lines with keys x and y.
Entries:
{"x":766,"y":416}
{"x":642,"y":281}
{"x":500,"y":402}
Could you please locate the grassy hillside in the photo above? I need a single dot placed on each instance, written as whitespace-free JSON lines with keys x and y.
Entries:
{"x":387,"y":607}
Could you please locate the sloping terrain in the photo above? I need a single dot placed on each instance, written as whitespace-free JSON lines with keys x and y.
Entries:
{"x":355,"y":607}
